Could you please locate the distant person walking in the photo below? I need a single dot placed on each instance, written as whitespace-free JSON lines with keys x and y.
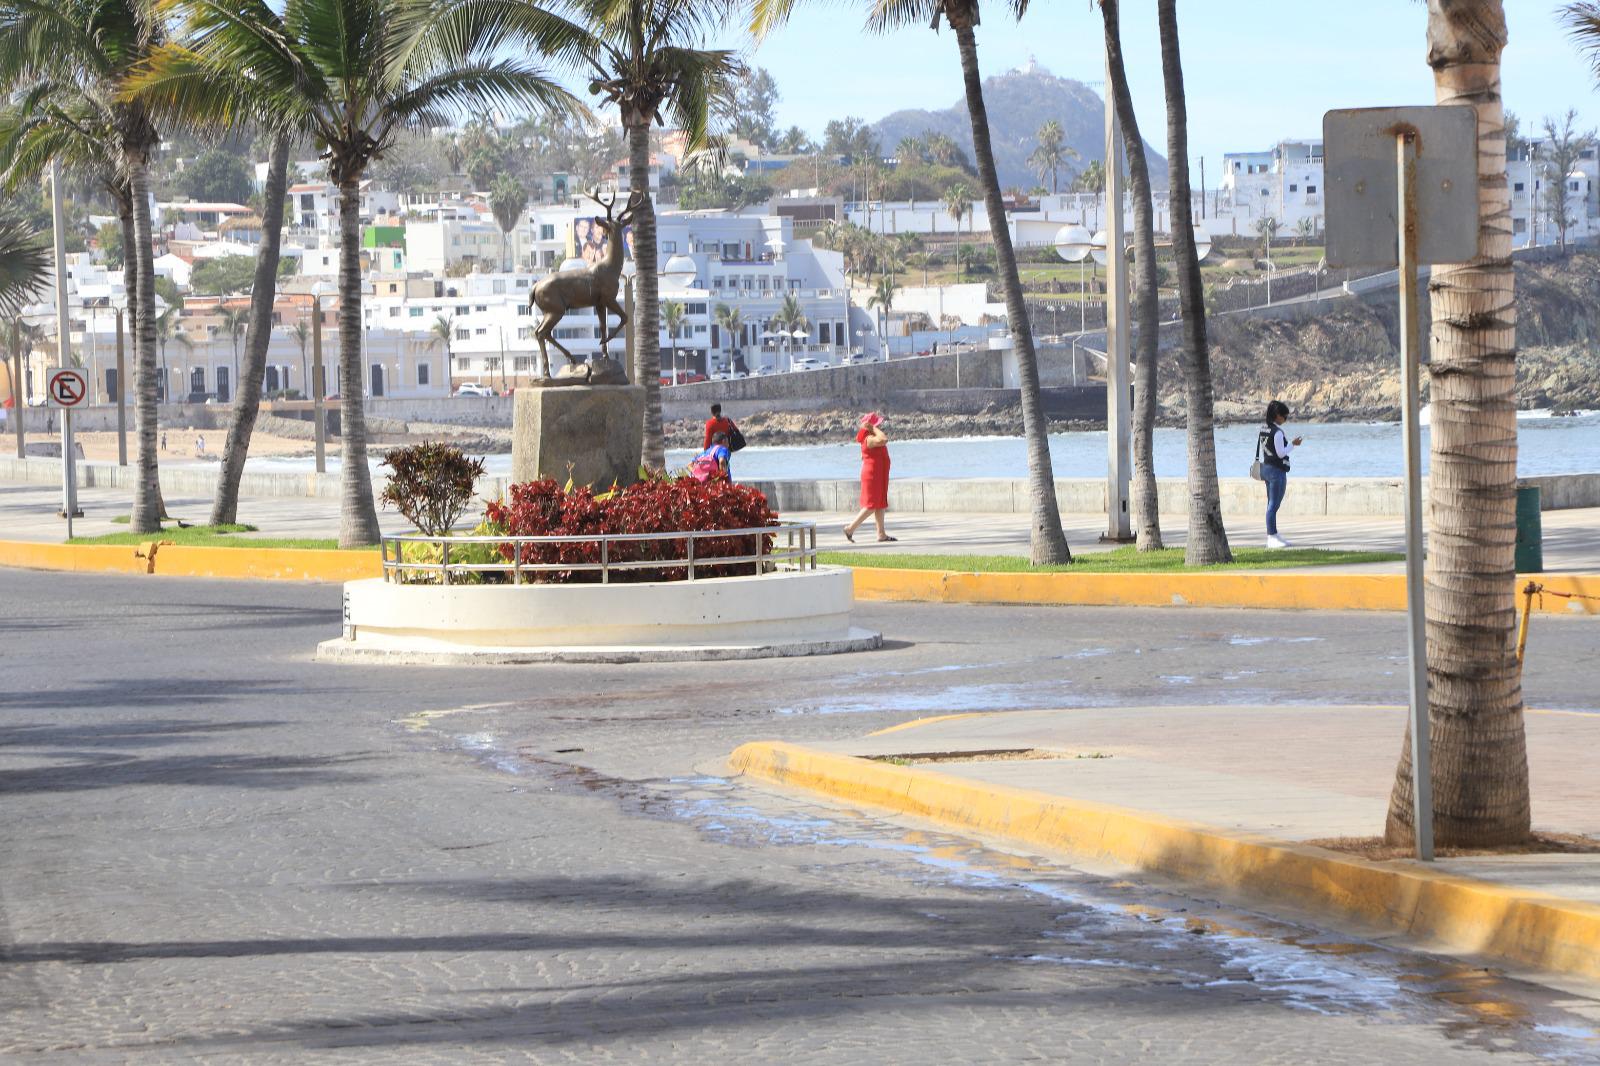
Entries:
{"x":716,"y":424}
{"x":200,"y":446}
{"x":1274,"y":447}
{"x":874,"y":476}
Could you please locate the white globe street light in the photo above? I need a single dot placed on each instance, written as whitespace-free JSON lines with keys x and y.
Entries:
{"x":1202,"y":241}
{"x":1097,"y":248}
{"x":1074,"y":244}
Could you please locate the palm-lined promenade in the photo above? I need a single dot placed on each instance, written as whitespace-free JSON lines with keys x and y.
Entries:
{"x":323,"y":848}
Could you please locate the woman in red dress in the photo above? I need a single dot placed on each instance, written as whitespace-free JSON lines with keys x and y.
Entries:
{"x":874,"y":476}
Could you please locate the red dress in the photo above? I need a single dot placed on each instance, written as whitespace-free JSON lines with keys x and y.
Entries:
{"x":874,"y":473}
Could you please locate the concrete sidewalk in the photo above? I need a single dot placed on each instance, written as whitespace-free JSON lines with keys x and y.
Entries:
{"x":1571,"y":537}
{"x":1228,"y":797}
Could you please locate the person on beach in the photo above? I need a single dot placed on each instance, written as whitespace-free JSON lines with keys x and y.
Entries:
{"x":200,"y":446}
{"x":874,"y":476}
{"x":716,"y":424}
{"x":1274,"y":445}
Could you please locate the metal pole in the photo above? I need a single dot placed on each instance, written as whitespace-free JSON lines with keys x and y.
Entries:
{"x":317,"y":414}
{"x":69,"y":493}
{"x":1416,"y":616}
{"x":122,"y":398}
{"x":19,"y":402}
{"x":627,"y":334}
{"x":1119,"y":427}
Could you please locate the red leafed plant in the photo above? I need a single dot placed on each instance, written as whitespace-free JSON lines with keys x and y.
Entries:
{"x":541,"y":508}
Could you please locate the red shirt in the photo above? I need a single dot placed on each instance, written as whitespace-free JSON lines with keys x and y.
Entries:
{"x":715,"y":426}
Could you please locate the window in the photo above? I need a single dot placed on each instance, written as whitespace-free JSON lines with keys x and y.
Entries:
{"x":422,"y":373}
{"x":463,"y":334}
{"x":491,"y":362}
{"x":522,"y":363}
{"x":481,"y":307}
{"x":522,"y":283}
{"x":695,"y":309}
{"x":762,"y":283}
{"x":498,"y":286}
{"x":1519,"y":225}
{"x":794,"y":284}
{"x":393,"y":288}
{"x":415,"y":312}
{"x":455,"y":240}
{"x":464,"y":363}
{"x":716,"y":283}
{"x":394,"y":312}
{"x":307,"y":202}
{"x":1311,"y":190}
{"x":481,"y":331}
{"x":1294,"y":188}
{"x":669,"y":247}
{"x":1517,"y":187}
{"x":524,"y":310}
{"x":547,"y":232}
{"x":524,"y":333}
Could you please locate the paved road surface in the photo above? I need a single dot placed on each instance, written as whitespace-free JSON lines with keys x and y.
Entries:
{"x":217,"y":850}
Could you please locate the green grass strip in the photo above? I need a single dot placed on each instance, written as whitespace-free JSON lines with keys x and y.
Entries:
{"x":1117,"y":561}
{"x":213,"y":537}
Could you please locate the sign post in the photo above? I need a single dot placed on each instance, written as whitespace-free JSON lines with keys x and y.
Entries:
{"x":1402,"y":187}
{"x":67,"y":388}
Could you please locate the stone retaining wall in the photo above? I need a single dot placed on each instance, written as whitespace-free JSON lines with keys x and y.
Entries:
{"x":1351,"y":497}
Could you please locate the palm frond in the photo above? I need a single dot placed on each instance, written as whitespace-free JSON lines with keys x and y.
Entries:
{"x":1582,"y":21}
{"x":24,"y":263}
{"x":889,"y":15}
{"x":446,"y":32}
{"x":448,"y":95}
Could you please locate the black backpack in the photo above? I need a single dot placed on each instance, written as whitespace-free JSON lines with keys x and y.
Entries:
{"x":735,"y":437}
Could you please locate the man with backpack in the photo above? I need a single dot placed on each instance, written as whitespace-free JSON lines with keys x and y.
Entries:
{"x":712,"y":464}
{"x":716,"y":424}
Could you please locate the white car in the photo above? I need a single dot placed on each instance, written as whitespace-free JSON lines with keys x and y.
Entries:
{"x":472,"y":388}
{"x":764,"y":371}
{"x":805,"y":362}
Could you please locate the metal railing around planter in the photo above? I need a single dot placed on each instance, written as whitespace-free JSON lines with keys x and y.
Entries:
{"x":797,"y":551}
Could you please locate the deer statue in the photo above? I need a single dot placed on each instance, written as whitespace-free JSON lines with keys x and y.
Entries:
{"x":595,"y":285}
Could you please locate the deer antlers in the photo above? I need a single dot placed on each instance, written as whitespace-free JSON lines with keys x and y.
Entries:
{"x":635,"y":201}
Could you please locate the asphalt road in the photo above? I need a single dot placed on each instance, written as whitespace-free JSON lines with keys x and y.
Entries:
{"x":215,"y":849}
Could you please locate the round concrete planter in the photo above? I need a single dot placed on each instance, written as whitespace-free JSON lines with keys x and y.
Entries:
{"x":796,"y":612}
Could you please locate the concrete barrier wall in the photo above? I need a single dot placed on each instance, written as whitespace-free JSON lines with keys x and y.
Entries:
{"x":1351,"y":497}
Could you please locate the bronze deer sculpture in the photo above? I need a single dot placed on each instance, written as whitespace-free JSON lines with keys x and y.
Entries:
{"x":595,"y":285}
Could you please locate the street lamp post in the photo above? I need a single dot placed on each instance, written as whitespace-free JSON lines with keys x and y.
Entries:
{"x":1074,"y":244}
{"x":318,"y":416}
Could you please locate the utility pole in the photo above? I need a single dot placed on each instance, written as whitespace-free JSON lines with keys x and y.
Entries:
{"x":1119,"y":400}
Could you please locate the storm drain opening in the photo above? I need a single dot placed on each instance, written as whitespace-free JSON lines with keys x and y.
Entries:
{"x":915,"y":758}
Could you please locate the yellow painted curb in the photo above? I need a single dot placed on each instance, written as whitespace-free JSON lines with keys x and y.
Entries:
{"x":1519,"y":926}
{"x":1274,"y":591}
{"x":174,"y":560}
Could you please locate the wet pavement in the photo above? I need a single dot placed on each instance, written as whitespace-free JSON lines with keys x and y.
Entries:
{"x":219,"y":850}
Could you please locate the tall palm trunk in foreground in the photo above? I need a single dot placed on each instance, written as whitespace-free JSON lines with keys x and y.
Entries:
{"x":646,"y":310}
{"x":358,"y":515}
{"x":1048,"y":543}
{"x":147,"y":503}
{"x":1479,"y":755}
{"x":1147,"y":308}
{"x":258,"y":334}
{"x":1208,"y":539}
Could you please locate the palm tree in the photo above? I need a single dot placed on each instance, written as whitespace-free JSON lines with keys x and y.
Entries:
{"x":883,"y":296}
{"x":443,"y":330}
{"x":507,"y":199}
{"x":1147,"y":314}
{"x":790,"y":317}
{"x":1480,"y":762}
{"x":234,"y":321}
{"x":1092,"y":178}
{"x":258,"y":335}
{"x":958,"y":204}
{"x":944,"y":151}
{"x":731,"y":321}
{"x":166,"y":331}
{"x":24,"y":264}
{"x":1051,"y":154}
{"x":647,"y":64}
{"x":1208,"y":540}
{"x":794,"y":141}
{"x":910,"y":150}
{"x":672,"y":314}
{"x":1305,"y":229}
{"x":75,"y":58}
{"x":400,"y":64}
{"x":300,"y":333}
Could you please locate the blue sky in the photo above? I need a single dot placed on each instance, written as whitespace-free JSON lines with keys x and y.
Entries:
{"x":1256,"y":70}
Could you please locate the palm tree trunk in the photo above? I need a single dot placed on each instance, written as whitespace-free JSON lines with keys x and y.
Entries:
{"x":258,"y":334}
{"x":19,"y":406}
{"x":1147,"y":314}
{"x":1480,"y":762}
{"x":1048,"y":544}
{"x":146,"y":515}
{"x":646,"y":294}
{"x":1208,"y":539}
{"x":358,"y":517}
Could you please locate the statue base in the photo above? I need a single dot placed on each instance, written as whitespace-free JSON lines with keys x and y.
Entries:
{"x":594,"y":434}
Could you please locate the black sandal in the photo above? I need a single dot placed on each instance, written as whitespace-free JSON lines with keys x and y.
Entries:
{"x":883,"y":539}
{"x":849,"y":536}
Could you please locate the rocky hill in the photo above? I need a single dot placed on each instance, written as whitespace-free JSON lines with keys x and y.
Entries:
{"x":1344,"y":364}
{"x":1019,"y":102}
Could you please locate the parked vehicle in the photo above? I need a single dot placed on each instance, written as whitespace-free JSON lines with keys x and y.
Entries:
{"x":805,"y":362}
{"x":472,"y":388}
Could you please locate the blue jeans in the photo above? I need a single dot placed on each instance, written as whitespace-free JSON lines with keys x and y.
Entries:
{"x":1277,"y":484}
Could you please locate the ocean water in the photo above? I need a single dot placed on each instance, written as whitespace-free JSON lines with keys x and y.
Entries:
{"x":1337,"y":449}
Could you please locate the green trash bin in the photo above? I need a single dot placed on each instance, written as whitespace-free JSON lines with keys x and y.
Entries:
{"x":1530,"y":533}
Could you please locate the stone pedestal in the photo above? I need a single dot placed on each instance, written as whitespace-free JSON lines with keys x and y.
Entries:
{"x":596,"y":431}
